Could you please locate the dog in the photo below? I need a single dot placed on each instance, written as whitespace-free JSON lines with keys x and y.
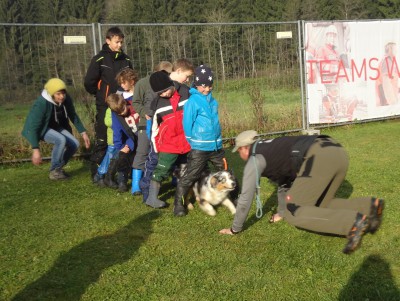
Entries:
{"x":212,"y":189}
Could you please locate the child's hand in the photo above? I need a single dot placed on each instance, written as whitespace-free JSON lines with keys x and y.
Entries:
{"x":86,"y":139}
{"x":125,"y":149}
{"x":36,"y":157}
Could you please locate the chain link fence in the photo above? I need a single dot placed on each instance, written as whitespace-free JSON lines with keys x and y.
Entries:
{"x":258,"y":76}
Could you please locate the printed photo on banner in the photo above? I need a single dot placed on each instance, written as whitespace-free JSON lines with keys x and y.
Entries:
{"x":352,"y":70}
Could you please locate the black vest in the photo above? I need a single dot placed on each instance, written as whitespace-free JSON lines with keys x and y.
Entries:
{"x":284,"y":156}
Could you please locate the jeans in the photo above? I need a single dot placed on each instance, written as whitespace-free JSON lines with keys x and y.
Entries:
{"x":65,"y":146}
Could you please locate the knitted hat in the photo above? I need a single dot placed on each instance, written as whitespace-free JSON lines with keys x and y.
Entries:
{"x":54,"y":85}
{"x":160,"y":81}
{"x":203,"y":76}
{"x":244,"y":138}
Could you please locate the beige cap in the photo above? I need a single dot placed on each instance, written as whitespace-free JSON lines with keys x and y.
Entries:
{"x":245,"y":138}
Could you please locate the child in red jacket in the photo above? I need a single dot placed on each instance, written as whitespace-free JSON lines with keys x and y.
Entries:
{"x":168,"y":137}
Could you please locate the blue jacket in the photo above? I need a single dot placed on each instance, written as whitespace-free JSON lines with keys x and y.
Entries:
{"x":122,"y":135}
{"x":201,"y":122}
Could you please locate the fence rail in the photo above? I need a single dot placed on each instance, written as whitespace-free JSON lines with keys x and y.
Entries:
{"x":258,"y":77}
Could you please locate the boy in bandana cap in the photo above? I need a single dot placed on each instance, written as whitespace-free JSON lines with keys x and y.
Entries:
{"x":48,"y":120}
{"x":203,"y":132}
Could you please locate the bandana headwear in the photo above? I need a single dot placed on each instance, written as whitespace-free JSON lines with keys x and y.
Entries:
{"x":203,"y":76}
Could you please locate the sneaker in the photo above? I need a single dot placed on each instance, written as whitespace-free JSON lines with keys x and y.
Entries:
{"x":65,"y":173}
{"x":356,"y":233}
{"x":57,"y":174}
{"x":375,"y":216}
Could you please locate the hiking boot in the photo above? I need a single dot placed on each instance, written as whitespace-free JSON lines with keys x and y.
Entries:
{"x":65,"y":173}
{"x":57,"y":174}
{"x":375,"y":216}
{"x":356,"y":233}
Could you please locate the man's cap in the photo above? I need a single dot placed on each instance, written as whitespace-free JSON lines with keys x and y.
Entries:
{"x":160,"y":81}
{"x":245,"y":138}
{"x":54,"y":85}
{"x":203,"y":76}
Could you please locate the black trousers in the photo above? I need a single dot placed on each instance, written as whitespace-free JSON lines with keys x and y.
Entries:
{"x":100,"y":143}
{"x":197,"y":161}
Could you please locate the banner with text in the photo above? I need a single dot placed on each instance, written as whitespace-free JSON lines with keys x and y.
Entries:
{"x":352,"y":70}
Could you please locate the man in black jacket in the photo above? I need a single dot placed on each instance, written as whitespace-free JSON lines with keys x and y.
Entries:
{"x":100,"y":81}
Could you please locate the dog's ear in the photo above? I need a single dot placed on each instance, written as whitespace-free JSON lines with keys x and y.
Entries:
{"x":214,"y":181}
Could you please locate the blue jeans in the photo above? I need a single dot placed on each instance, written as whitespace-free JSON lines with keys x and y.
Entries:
{"x":65,"y":146}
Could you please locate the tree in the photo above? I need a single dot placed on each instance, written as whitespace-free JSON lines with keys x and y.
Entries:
{"x":216,"y":33}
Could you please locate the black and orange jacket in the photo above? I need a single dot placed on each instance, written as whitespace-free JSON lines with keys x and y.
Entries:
{"x":100,"y":76}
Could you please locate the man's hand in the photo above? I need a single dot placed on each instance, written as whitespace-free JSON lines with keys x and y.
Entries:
{"x":226,"y":231}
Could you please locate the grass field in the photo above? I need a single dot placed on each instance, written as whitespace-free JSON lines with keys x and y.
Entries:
{"x":74,"y":241}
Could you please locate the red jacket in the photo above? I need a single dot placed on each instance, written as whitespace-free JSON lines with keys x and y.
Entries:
{"x":167,"y":131}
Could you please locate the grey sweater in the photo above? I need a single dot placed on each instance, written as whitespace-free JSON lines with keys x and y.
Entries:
{"x":249,"y":186}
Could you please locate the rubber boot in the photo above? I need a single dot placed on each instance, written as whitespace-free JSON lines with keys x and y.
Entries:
{"x":109,"y":177}
{"x":153,"y":200}
{"x":122,"y":182}
{"x":180,"y":208}
{"x":136,"y":176}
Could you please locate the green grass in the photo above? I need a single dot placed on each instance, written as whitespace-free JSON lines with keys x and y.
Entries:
{"x":73,"y":241}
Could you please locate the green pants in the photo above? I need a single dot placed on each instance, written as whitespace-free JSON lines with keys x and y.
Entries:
{"x":311,"y":202}
{"x":165,"y":163}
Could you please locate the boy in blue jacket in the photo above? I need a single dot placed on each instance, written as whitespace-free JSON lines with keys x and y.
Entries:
{"x":124,"y":125}
{"x":203,"y":132}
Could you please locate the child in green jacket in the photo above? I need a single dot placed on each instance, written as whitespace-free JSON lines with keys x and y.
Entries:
{"x":48,"y":120}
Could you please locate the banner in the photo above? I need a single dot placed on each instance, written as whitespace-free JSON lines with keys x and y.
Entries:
{"x":352,"y":70}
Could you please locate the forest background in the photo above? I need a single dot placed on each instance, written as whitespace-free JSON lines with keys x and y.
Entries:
{"x":182,"y":11}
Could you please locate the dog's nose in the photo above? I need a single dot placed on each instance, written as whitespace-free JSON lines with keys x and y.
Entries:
{"x":234,"y":184}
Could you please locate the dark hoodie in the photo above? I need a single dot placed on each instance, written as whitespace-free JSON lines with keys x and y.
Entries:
{"x":100,"y":76}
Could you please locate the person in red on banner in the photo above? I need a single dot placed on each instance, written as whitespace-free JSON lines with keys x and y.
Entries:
{"x":387,"y":88}
{"x":328,"y":56}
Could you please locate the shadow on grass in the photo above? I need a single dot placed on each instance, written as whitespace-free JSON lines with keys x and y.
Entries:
{"x":373,"y":281}
{"x":74,"y":271}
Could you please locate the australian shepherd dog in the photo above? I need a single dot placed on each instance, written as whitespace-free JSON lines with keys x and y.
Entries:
{"x":213,"y":189}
